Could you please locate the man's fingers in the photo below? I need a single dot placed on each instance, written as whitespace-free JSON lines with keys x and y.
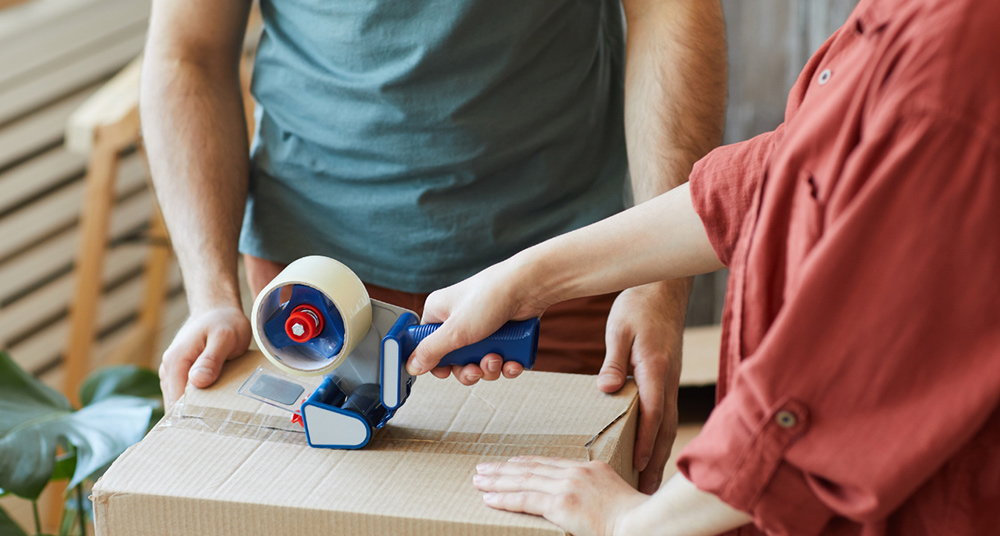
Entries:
{"x":652,"y":475}
{"x":441,"y":372}
{"x":176,"y":363}
{"x":207,"y":367}
{"x":613,"y":372}
{"x":651,"y":398}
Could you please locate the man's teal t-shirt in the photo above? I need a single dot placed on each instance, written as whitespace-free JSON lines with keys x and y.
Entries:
{"x":419,"y":141}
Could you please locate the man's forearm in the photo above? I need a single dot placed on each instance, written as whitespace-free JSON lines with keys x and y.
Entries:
{"x":195,"y":134}
{"x":675,"y":101}
{"x":675,"y":90}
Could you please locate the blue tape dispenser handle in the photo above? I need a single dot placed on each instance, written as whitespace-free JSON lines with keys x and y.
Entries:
{"x":514,"y":341}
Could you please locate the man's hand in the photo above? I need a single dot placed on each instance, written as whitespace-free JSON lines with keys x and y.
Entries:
{"x":205,"y":341}
{"x":645,"y":329}
{"x":584,"y":498}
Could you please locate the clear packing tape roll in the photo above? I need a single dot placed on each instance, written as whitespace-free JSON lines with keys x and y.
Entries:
{"x":336,"y":306}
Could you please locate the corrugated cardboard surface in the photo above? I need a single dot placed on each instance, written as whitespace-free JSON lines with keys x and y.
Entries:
{"x":226,"y":464}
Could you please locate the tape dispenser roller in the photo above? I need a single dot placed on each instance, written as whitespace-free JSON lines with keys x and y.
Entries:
{"x":316,"y":319}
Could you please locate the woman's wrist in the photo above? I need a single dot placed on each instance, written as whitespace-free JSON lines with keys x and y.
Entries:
{"x":540,"y":279}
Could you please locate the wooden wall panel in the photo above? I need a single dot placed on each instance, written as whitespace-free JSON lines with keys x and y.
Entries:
{"x":53,"y":55}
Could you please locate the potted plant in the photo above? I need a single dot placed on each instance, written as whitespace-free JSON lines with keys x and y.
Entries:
{"x":43,"y":438}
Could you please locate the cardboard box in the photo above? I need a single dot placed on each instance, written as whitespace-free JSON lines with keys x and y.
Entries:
{"x":222,"y":463}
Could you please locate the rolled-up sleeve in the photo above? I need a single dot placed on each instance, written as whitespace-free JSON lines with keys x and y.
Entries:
{"x":722,"y":188}
{"x":884,"y":359}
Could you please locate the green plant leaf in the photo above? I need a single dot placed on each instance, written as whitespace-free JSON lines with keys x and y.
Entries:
{"x":65,"y":466}
{"x":34,"y":420}
{"x":120,"y":380}
{"x":8,"y":527}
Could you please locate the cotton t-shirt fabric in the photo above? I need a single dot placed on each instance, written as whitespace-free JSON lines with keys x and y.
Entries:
{"x":860,"y":378}
{"x":419,"y":141}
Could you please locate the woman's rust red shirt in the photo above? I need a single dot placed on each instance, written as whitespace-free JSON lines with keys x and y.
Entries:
{"x":860,"y":376}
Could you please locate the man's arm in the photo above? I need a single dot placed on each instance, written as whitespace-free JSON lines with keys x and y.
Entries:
{"x":195,"y":133}
{"x":675,"y":93}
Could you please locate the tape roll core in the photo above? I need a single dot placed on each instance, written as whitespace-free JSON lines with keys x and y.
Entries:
{"x":338,"y":284}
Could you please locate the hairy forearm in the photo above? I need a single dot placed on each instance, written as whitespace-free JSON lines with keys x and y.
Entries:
{"x":195,"y":134}
{"x":675,"y":89}
{"x":660,"y":239}
{"x":681,"y":509}
{"x":675,"y":101}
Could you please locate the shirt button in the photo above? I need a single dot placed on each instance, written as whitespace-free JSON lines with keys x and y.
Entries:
{"x":824,"y":76}
{"x":786,"y":419}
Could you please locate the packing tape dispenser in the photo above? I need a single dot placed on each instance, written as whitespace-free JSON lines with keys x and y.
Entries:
{"x":316,"y":318}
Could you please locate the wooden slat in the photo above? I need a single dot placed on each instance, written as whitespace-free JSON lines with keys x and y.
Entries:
{"x":128,"y":345}
{"x":51,"y":300}
{"x":33,"y":16}
{"x":115,"y":306}
{"x":41,"y":129}
{"x":174,"y":315}
{"x":65,"y":39}
{"x":65,"y":79}
{"x":62,"y":208}
{"x":37,"y":175}
{"x":56,"y":254}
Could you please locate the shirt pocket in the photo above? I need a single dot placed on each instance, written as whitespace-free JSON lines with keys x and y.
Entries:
{"x":805,"y":224}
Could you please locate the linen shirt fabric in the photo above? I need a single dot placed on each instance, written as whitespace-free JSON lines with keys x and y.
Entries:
{"x":860,"y":375}
{"x":419,"y":141}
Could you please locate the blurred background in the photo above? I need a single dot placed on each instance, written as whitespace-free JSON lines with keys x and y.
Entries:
{"x":86,"y":275}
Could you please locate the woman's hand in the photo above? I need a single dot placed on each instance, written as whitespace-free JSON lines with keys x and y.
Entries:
{"x":584,"y":498}
{"x":472,"y":310}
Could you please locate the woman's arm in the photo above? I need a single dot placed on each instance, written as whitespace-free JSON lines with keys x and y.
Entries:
{"x":589,"y":498}
{"x":660,"y":239}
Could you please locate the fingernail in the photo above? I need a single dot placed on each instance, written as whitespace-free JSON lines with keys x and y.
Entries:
{"x":489,"y":496}
{"x":493,"y":366}
{"x":643,"y":462}
{"x":478,"y":479}
{"x":474,"y":377}
{"x":201,"y":374}
{"x":516,"y":374}
{"x":482,"y":467}
{"x":414,"y":369}
{"x":606,"y":380}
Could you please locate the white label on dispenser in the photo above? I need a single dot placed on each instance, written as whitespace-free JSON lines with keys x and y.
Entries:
{"x":391,"y":362}
{"x":329,"y":428}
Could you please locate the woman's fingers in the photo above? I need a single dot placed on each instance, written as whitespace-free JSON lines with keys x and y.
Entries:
{"x":512,"y":369}
{"x":528,"y":502}
{"x":515,"y":467}
{"x":515,"y":482}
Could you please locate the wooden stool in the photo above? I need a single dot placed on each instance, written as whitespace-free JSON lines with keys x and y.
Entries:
{"x":104,"y":128}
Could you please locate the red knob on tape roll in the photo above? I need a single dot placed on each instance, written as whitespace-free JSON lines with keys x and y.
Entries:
{"x":304,"y":323}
